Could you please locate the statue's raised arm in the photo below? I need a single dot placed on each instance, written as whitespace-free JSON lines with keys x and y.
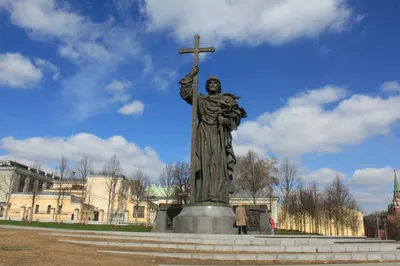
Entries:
{"x":186,"y":85}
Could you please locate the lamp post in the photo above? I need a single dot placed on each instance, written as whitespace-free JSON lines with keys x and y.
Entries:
{"x":384,"y":220}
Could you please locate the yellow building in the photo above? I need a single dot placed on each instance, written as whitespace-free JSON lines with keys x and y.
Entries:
{"x":46,"y":209}
{"x":19,"y":178}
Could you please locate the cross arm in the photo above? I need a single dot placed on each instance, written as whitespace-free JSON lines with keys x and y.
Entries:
{"x":201,"y":50}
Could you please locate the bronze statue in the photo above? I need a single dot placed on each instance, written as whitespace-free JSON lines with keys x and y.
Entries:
{"x":218,"y":114}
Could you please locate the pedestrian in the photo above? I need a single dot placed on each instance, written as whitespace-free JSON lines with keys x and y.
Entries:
{"x":241,"y":218}
{"x":272,"y":224}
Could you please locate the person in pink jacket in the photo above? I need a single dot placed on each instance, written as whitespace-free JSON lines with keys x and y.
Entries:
{"x":272,"y":224}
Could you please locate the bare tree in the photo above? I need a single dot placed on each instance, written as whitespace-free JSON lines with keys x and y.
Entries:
{"x":167,"y":181}
{"x":312,"y":206}
{"x":7,"y":186}
{"x":112,"y":172}
{"x":340,"y":196}
{"x":35,"y":188}
{"x":139,"y":184}
{"x":253,"y":174}
{"x":83,"y":169}
{"x":182,"y":185}
{"x":62,"y":171}
{"x":289,"y":182}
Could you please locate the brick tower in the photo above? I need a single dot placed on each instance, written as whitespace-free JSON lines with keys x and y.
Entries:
{"x":394,"y":207}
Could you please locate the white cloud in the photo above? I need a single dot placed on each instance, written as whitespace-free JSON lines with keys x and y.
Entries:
{"x":49,"y":151}
{"x":97,"y":48}
{"x":17,"y":71}
{"x":45,"y":17}
{"x":162,"y":78}
{"x":133,"y":108}
{"x":371,"y":187}
{"x":252,"y":21}
{"x":117,"y":88}
{"x":322,"y":176}
{"x":46,"y":66}
{"x":321,"y":120}
{"x":391,"y":86}
{"x":374,"y":199}
{"x":373,"y":176}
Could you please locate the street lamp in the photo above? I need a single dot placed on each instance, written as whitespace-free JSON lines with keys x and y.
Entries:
{"x":384,"y":220}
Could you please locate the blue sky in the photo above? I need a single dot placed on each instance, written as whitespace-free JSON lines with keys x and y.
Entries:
{"x":319,"y":82}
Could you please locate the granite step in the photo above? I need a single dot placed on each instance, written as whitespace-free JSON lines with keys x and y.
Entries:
{"x":179,"y":235}
{"x":238,"y":241}
{"x":337,"y":257}
{"x":232,"y":247}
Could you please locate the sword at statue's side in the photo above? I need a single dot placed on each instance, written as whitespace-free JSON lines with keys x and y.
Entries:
{"x":195,"y":51}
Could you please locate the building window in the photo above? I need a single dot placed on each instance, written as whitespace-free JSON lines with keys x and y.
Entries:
{"x":48,"y":209}
{"x":76,"y":187}
{"x":40,"y":185}
{"x":60,"y":209}
{"x":139,"y":210}
{"x":21,"y":183}
{"x":37,"y":209}
{"x":31,"y":184}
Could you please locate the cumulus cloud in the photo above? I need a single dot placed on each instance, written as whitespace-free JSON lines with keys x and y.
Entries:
{"x":249,"y":22}
{"x":320,"y":121}
{"x":133,"y":108}
{"x":17,"y":71}
{"x":322,"y":176}
{"x":391,"y":86}
{"x":373,"y":176}
{"x":50,"y":150}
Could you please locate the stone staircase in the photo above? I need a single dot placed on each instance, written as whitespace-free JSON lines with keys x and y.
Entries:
{"x":299,"y":248}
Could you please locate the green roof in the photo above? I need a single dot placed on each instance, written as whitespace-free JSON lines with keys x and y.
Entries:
{"x":396,"y":182}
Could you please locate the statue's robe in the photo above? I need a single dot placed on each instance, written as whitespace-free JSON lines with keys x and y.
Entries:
{"x":215,"y":159}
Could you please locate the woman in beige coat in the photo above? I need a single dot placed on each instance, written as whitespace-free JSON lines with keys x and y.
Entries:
{"x":241,"y":218}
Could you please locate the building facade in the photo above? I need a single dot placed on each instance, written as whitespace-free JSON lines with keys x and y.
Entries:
{"x":19,"y":178}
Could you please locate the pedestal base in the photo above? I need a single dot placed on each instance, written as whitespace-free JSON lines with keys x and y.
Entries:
{"x":205,"y":220}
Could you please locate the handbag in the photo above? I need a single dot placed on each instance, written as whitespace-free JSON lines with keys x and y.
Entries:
{"x":234,"y":224}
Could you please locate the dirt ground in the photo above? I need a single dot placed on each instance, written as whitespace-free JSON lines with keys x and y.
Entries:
{"x":47,"y":250}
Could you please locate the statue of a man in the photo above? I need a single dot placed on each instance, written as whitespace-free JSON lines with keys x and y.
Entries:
{"x":218,"y":114}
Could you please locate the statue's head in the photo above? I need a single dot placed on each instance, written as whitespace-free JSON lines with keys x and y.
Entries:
{"x":213,"y":85}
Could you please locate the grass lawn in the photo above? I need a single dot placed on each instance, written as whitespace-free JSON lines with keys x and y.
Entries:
{"x":94,"y":227}
{"x":291,"y":232}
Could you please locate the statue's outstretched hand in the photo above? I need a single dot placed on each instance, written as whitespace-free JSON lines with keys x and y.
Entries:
{"x":193,"y":72}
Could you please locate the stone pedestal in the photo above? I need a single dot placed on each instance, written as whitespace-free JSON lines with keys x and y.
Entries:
{"x":164,"y":217}
{"x":205,"y":220}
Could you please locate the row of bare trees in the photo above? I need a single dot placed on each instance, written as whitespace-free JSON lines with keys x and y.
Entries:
{"x":303,"y":206}
{"x":331,"y":209}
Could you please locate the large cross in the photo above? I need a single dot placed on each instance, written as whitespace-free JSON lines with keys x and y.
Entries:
{"x":195,"y":51}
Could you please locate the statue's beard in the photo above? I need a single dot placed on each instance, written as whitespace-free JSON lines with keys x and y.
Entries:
{"x":213,"y":89}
